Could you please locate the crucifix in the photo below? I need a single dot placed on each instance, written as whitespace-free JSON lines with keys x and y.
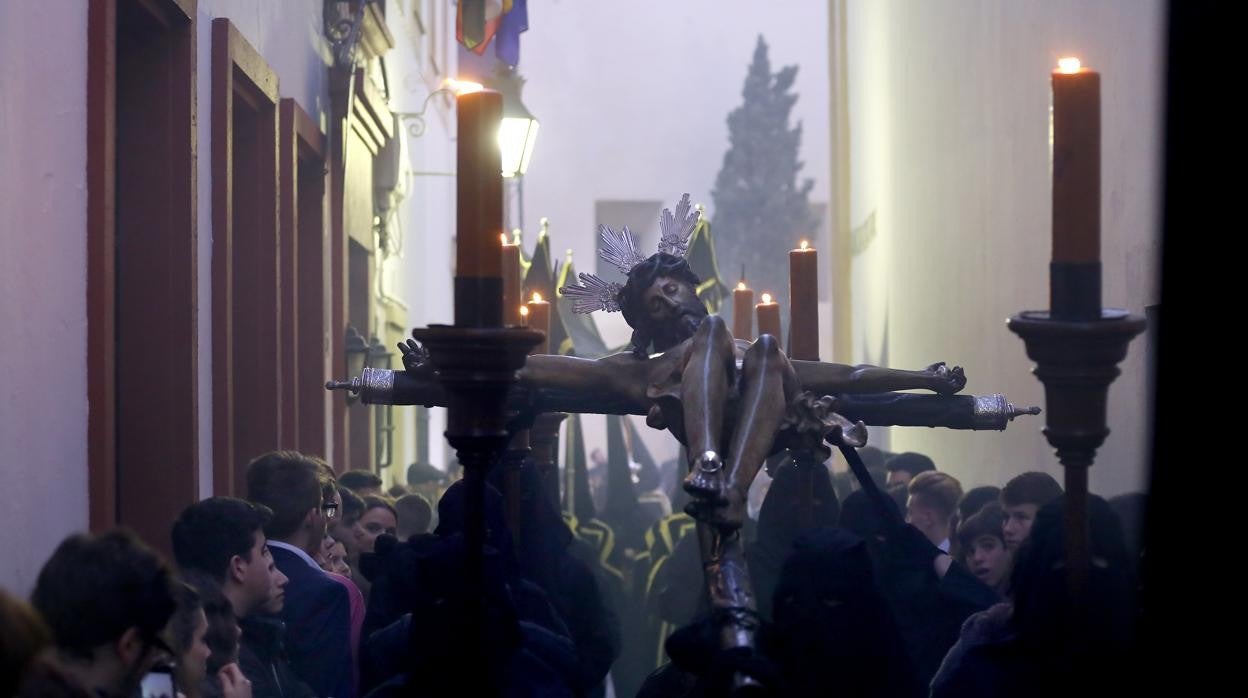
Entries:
{"x":730,"y":402}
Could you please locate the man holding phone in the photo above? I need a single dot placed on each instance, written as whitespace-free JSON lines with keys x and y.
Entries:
{"x":106,"y":599}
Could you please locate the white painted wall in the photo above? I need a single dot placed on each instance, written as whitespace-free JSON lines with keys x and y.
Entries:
{"x":633,"y":100}
{"x":43,"y":343}
{"x":948,"y":107}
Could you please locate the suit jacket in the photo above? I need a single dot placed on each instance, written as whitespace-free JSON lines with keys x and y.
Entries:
{"x":317,"y":614}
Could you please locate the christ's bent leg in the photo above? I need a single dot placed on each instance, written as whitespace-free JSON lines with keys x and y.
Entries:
{"x":768,"y":384}
{"x":706,"y":385}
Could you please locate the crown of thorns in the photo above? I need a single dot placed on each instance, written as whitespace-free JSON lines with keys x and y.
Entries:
{"x":620,"y":248}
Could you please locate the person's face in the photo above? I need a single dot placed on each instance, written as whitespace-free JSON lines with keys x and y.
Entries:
{"x":322,"y":555}
{"x":673,"y":310}
{"x":338,"y":559}
{"x":277,"y":586}
{"x":373,"y":523}
{"x":342,"y":529}
{"x":988,"y":559}
{"x":193,"y":664}
{"x":898,"y":477}
{"x":257,"y":577}
{"x":1018,"y":521}
{"x":922,"y":517}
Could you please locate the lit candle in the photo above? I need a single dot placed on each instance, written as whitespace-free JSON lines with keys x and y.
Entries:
{"x":512,"y":292}
{"x":742,"y":318}
{"x":768,"y":317}
{"x":521,"y":440}
{"x":1075,"y":279}
{"x":804,"y":303}
{"x":539,"y":319}
{"x":479,"y":210}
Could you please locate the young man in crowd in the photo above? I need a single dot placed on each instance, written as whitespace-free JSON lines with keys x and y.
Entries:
{"x":931,"y":505}
{"x":977,"y":498}
{"x":415,"y":515}
{"x":983,"y":547}
{"x":301,"y":495}
{"x":106,"y":599}
{"x":904,"y":467}
{"x":361,"y":482}
{"x":223,"y":539}
{"x":342,"y":526}
{"x":1021,"y":498}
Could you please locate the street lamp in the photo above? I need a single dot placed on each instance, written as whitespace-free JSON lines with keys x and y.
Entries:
{"x":383,"y":415}
{"x":377,"y":355}
{"x":356,"y":350}
{"x":518,"y":132}
{"x":516,"y":137}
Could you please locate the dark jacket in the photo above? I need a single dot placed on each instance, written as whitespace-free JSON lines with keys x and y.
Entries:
{"x":929,"y":610}
{"x":262,"y":659}
{"x":317,"y":614}
{"x":779,"y":524}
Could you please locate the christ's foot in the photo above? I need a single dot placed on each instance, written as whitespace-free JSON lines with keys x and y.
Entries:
{"x":706,"y":479}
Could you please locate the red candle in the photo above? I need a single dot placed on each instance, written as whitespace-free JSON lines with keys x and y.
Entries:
{"x":479,"y":184}
{"x":768,"y":317}
{"x":512,"y":293}
{"x":539,"y":319}
{"x":479,"y":210}
{"x":1076,"y":163}
{"x":742,"y":319}
{"x":804,"y":303}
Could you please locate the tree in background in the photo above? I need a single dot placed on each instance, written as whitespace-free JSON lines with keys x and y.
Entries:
{"x":761,"y":209}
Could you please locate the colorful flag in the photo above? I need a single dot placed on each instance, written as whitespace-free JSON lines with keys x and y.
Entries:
{"x":470,"y":22}
{"x":514,"y":21}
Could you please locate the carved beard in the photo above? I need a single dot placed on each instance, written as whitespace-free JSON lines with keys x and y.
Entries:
{"x":669,"y":334}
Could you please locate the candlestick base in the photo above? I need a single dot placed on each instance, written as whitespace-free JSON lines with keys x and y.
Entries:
{"x":513,"y":462}
{"x":477,"y":366}
{"x":1076,"y":360}
{"x":545,"y":441}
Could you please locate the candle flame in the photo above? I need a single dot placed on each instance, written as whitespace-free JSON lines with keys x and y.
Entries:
{"x":766,"y":298}
{"x":462,"y":87}
{"x":805,"y":244}
{"x":1068,"y":65}
{"x":503,"y":237}
{"x":741,"y":286}
{"x":537,"y":297}
{"x":524,"y":311}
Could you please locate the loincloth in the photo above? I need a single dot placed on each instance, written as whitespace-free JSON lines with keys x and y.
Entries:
{"x":809,"y":419}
